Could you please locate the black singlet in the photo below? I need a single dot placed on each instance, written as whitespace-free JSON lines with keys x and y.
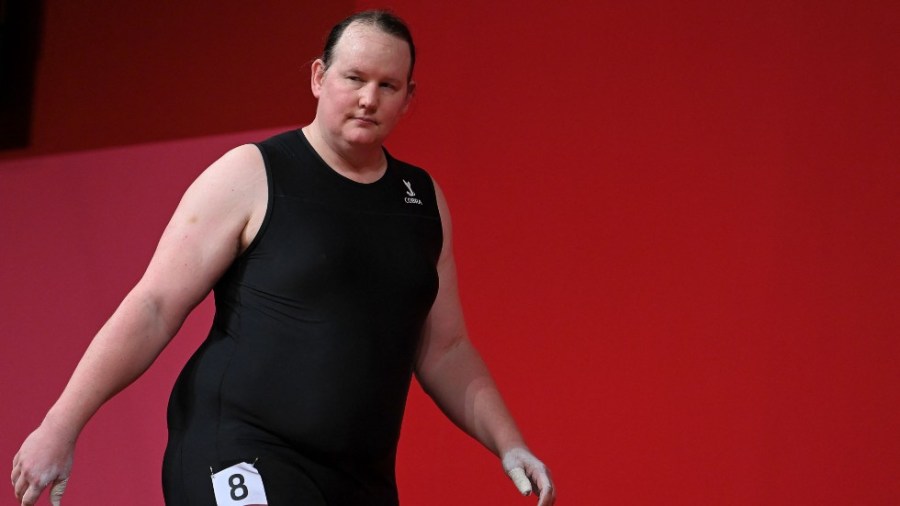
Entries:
{"x":307,"y":366}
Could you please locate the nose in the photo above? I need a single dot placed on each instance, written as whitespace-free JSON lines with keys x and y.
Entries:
{"x":368,"y":97}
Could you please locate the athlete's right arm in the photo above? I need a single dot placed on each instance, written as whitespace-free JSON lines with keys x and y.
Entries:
{"x":216,"y":219}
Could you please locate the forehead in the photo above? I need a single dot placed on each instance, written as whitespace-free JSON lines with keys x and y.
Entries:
{"x":366,"y":47}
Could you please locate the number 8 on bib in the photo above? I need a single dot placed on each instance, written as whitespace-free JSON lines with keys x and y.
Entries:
{"x":239,"y":485}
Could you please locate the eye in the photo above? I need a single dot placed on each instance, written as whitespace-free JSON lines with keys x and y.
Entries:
{"x":389,"y":86}
{"x":354,"y":78}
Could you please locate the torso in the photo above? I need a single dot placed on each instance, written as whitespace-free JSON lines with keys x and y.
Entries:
{"x":317,"y":324}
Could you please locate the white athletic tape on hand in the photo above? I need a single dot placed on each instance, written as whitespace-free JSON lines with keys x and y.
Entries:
{"x":521,"y":480}
{"x":57,"y":491}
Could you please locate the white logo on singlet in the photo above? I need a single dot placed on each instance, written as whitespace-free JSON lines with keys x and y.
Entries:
{"x":409,"y":191}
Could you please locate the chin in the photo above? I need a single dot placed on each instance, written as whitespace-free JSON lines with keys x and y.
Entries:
{"x":363,"y":139}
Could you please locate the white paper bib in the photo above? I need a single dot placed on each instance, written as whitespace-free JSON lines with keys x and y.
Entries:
{"x":239,"y":485}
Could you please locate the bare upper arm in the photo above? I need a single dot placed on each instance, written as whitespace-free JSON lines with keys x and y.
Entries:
{"x":218,"y":216}
{"x":445,"y":326}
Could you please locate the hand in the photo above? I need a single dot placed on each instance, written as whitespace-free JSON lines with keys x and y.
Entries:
{"x":45,"y":458}
{"x":527,"y":472}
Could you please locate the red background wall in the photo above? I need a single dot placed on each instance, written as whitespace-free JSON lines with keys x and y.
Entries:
{"x":676,"y":229}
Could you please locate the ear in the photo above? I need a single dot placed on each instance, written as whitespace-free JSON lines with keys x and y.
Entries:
{"x":410,"y":93}
{"x":317,"y":75}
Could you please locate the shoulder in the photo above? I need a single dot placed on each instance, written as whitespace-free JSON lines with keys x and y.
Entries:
{"x":285,"y":144}
{"x":235,"y":170}
{"x":411,"y":172}
{"x":228,"y":199}
{"x":233,"y":184}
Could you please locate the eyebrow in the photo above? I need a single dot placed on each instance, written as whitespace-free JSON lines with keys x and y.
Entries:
{"x":356,"y":70}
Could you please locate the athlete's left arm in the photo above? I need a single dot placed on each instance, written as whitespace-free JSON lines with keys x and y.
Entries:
{"x":452,"y":372}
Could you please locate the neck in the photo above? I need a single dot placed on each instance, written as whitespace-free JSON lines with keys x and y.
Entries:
{"x":361,"y":164}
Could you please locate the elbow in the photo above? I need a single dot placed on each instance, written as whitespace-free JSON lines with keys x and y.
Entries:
{"x":157,"y":313}
{"x":440,"y":361}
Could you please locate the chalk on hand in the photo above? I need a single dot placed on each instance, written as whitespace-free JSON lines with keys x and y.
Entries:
{"x":57,"y":491}
{"x":517,"y":474}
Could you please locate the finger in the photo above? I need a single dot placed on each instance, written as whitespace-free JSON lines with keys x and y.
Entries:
{"x":15,"y":469}
{"x":542,"y":480}
{"x":545,"y":486}
{"x":31,"y":495}
{"x":548,"y":495}
{"x":21,"y":485}
{"x":517,"y":475}
{"x":57,"y":491}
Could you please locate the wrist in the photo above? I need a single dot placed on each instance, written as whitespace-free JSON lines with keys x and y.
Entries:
{"x":62,"y":425}
{"x":510,"y":445}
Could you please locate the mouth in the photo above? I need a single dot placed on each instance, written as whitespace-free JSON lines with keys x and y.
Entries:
{"x":365,"y":120}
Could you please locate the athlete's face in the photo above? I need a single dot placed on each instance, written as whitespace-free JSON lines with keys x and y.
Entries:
{"x":366,"y":90}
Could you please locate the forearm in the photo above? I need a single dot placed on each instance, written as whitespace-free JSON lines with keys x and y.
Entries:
{"x":120,"y":352}
{"x":461,"y":385}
